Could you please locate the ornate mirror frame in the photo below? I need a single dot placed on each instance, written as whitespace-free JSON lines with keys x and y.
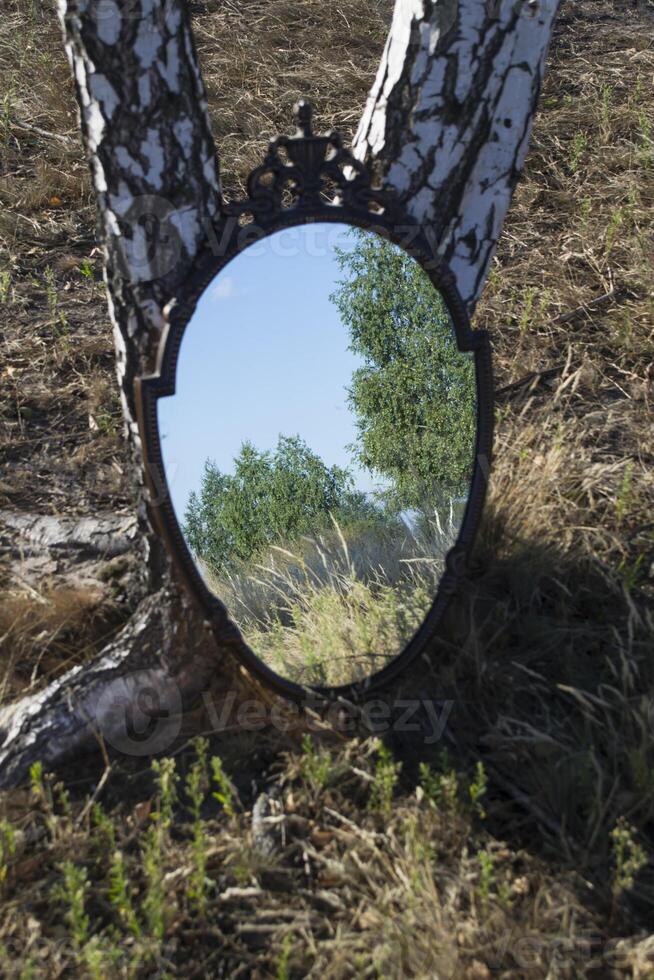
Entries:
{"x":326,"y":184}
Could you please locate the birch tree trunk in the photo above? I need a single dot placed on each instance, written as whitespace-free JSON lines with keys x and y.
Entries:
{"x":448,"y":119}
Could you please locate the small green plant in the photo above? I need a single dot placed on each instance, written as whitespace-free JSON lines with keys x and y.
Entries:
{"x":387,"y":772}
{"x":86,"y":269}
{"x":196,"y":787}
{"x":477,"y":790}
{"x":63,"y":799}
{"x":486,"y":875}
{"x":623,"y":499}
{"x":612,"y":231}
{"x":42,"y":793}
{"x":628,"y":857}
{"x":283,"y":972}
{"x":606,"y":96}
{"x":532,"y":310}
{"x":75,"y":887}
{"x":166,"y":778}
{"x":577,"y":150}
{"x":5,"y":286}
{"x":224,"y":792}
{"x":154,"y":902}
{"x":440,"y":786}
{"x":58,"y":320}
{"x":646,"y":141}
{"x":316,"y":764}
{"x":103,"y":824}
{"x":154,"y":899}
{"x":632,"y":572}
{"x":7,"y":848}
{"x":119,"y":894}
{"x":5,"y":122}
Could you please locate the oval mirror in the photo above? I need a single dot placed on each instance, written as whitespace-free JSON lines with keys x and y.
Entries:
{"x":319,"y":448}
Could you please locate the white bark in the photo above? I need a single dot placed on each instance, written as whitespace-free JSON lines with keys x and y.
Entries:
{"x":449,"y":118}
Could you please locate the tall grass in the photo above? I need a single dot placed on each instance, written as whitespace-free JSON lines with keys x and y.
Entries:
{"x":334,"y":607}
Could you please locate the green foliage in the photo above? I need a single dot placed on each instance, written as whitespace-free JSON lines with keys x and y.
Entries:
{"x":414,"y":399}
{"x":224,"y":792}
{"x":477,"y":789}
{"x":271,"y":497}
{"x":5,"y":286}
{"x":74,"y":891}
{"x":486,"y":875}
{"x":440,"y":788}
{"x":153,"y":850}
{"x":283,"y":972}
{"x":58,"y":320}
{"x":316,"y":764}
{"x":7,"y":847}
{"x":628,"y":857}
{"x":196,"y":787}
{"x":387,"y":772}
{"x":119,"y":894}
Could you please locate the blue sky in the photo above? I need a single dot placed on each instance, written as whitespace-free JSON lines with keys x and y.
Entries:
{"x":265,"y":353}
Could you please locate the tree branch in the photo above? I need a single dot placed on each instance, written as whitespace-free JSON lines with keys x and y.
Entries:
{"x":449,"y":118}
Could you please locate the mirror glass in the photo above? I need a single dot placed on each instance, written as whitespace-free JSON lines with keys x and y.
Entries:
{"x":319,"y":447}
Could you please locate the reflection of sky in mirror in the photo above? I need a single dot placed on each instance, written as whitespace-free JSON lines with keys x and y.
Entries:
{"x":265,"y":353}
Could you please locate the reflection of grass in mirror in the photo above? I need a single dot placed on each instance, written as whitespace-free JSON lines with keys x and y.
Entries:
{"x":336,"y":607}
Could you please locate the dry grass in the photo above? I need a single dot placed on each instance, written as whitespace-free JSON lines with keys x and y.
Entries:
{"x":334,"y":608}
{"x":548,"y":651}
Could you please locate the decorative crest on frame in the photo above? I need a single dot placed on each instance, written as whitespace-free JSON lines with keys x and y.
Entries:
{"x":317,"y":170}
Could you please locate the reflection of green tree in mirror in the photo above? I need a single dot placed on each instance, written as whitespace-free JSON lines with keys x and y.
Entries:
{"x":414,"y":400}
{"x":271,"y":497}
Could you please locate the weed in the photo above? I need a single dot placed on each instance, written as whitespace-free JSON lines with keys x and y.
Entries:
{"x":86,"y":270}
{"x":196,"y":787}
{"x":283,"y":972}
{"x":440,"y":787}
{"x":73,"y":892}
{"x":623,"y":499}
{"x":42,"y":792}
{"x":119,"y":894}
{"x":5,"y":287}
{"x":316,"y":764}
{"x":604,"y":106}
{"x":224,"y":792}
{"x":632,"y":572}
{"x":616,"y":222}
{"x":628,"y":857}
{"x":385,"y":778}
{"x":106,"y":832}
{"x":532,"y":311}
{"x":154,"y":902}
{"x":477,"y":789}
{"x":486,"y":875}
{"x":577,"y":150}
{"x":58,"y":319}
{"x":646,"y":141}
{"x":7,"y":848}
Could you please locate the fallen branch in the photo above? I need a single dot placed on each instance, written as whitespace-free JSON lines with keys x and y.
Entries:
{"x":593,"y":304}
{"x":45,"y":133}
{"x":534,"y":379}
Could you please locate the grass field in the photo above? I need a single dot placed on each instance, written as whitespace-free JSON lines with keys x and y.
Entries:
{"x":336,"y":607}
{"x":526,"y":850}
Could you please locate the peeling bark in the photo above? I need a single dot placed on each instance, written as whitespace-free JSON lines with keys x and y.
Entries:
{"x":145,"y":128}
{"x":448,"y":118}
